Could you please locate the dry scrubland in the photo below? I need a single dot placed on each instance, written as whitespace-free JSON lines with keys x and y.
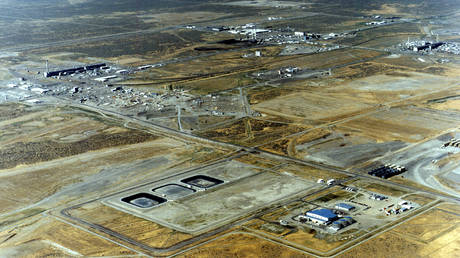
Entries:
{"x":59,"y":163}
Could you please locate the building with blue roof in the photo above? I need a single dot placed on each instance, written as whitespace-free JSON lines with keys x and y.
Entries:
{"x":341,"y":223}
{"x":321,"y":216}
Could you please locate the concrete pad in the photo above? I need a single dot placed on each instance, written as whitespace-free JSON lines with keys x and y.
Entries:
{"x":210,"y":210}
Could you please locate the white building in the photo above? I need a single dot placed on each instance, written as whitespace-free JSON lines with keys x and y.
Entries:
{"x":106,"y":78}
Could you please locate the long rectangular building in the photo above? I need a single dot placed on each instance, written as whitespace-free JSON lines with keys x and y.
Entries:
{"x":74,"y":70}
{"x":321,"y":216}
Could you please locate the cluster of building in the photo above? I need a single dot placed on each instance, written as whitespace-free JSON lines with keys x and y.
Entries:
{"x":329,"y":218}
{"x":248,"y":29}
{"x":288,"y":71}
{"x":387,"y":171}
{"x":351,"y":189}
{"x":95,"y":70}
{"x":80,"y":69}
{"x":397,"y":209}
{"x":23,"y":85}
{"x":376,"y":23}
{"x":274,"y":36}
{"x":273,"y":18}
{"x":450,"y":47}
{"x":377,"y":197}
{"x":328,"y":182}
{"x":427,"y":47}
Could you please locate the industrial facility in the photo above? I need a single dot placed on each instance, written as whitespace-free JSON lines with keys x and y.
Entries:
{"x":344,"y":207}
{"x":341,"y":223}
{"x":70,"y":71}
{"x":320,"y":216}
{"x":230,"y":128}
{"x":387,"y":171}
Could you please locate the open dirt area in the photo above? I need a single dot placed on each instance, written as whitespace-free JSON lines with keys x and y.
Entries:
{"x":50,"y":237}
{"x":250,"y":189}
{"x":246,"y":245}
{"x":139,"y":229}
{"x":198,"y":128}
{"x":252,"y":132}
{"x":66,"y":169}
{"x":433,"y":233}
{"x":310,"y":106}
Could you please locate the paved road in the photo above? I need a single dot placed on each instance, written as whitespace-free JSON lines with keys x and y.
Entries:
{"x":67,"y":213}
{"x":236,"y":147}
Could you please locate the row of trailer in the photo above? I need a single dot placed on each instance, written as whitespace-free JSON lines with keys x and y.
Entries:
{"x":452,"y":143}
{"x":387,"y":171}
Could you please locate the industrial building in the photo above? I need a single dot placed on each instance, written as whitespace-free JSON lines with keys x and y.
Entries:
{"x":341,"y":223}
{"x":427,"y":45}
{"x":330,"y":182}
{"x":344,"y":207}
{"x":321,"y":216}
{"x":105,"y":78}
{"x":74,"y":70}
{"x":378,"y":197}
{"x":387,"y":171}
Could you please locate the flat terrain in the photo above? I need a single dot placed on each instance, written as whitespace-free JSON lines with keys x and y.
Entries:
{"x":211,"y":129}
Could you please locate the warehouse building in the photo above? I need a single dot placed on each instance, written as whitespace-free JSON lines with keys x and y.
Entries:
{"x":74,"y":70}
{"x":321,"y":216}
{"x":344,"y":207}
{"x":341,"y":223}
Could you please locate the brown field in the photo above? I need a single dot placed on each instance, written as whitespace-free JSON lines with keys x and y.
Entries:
{"x":287,"y":145}
{"x":59,"y":155}
{"x":311,"y":106}
{"x":252,"y":132}
{"x":450,"y":207}
{"x":42,"y":180}
{"x":273,"y":229}
{"x":136,"y":228}
{"x":66,"y":172}
{"x":227,"y":70}
{"x":308,"y":239}
{"x":13,"y":110}
{"x":275,"y":215}
{"x":258,"y":161}
{"x":257,"y":95}
{"x":428,"y":226}
{"x":311,"y":173}
{"x":419,"y":198}
{"x":242,"y":245}
{"x":49,"y":237}
{"x":322,"y":193}
{"x":217,"y":83}
{"x":404,"y":124}
{"x":42,"y":136}
{"x":214,"y":71}
{"x":432,"y":234}
{"x":384,"y":36}
{"x":325,"y":60}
